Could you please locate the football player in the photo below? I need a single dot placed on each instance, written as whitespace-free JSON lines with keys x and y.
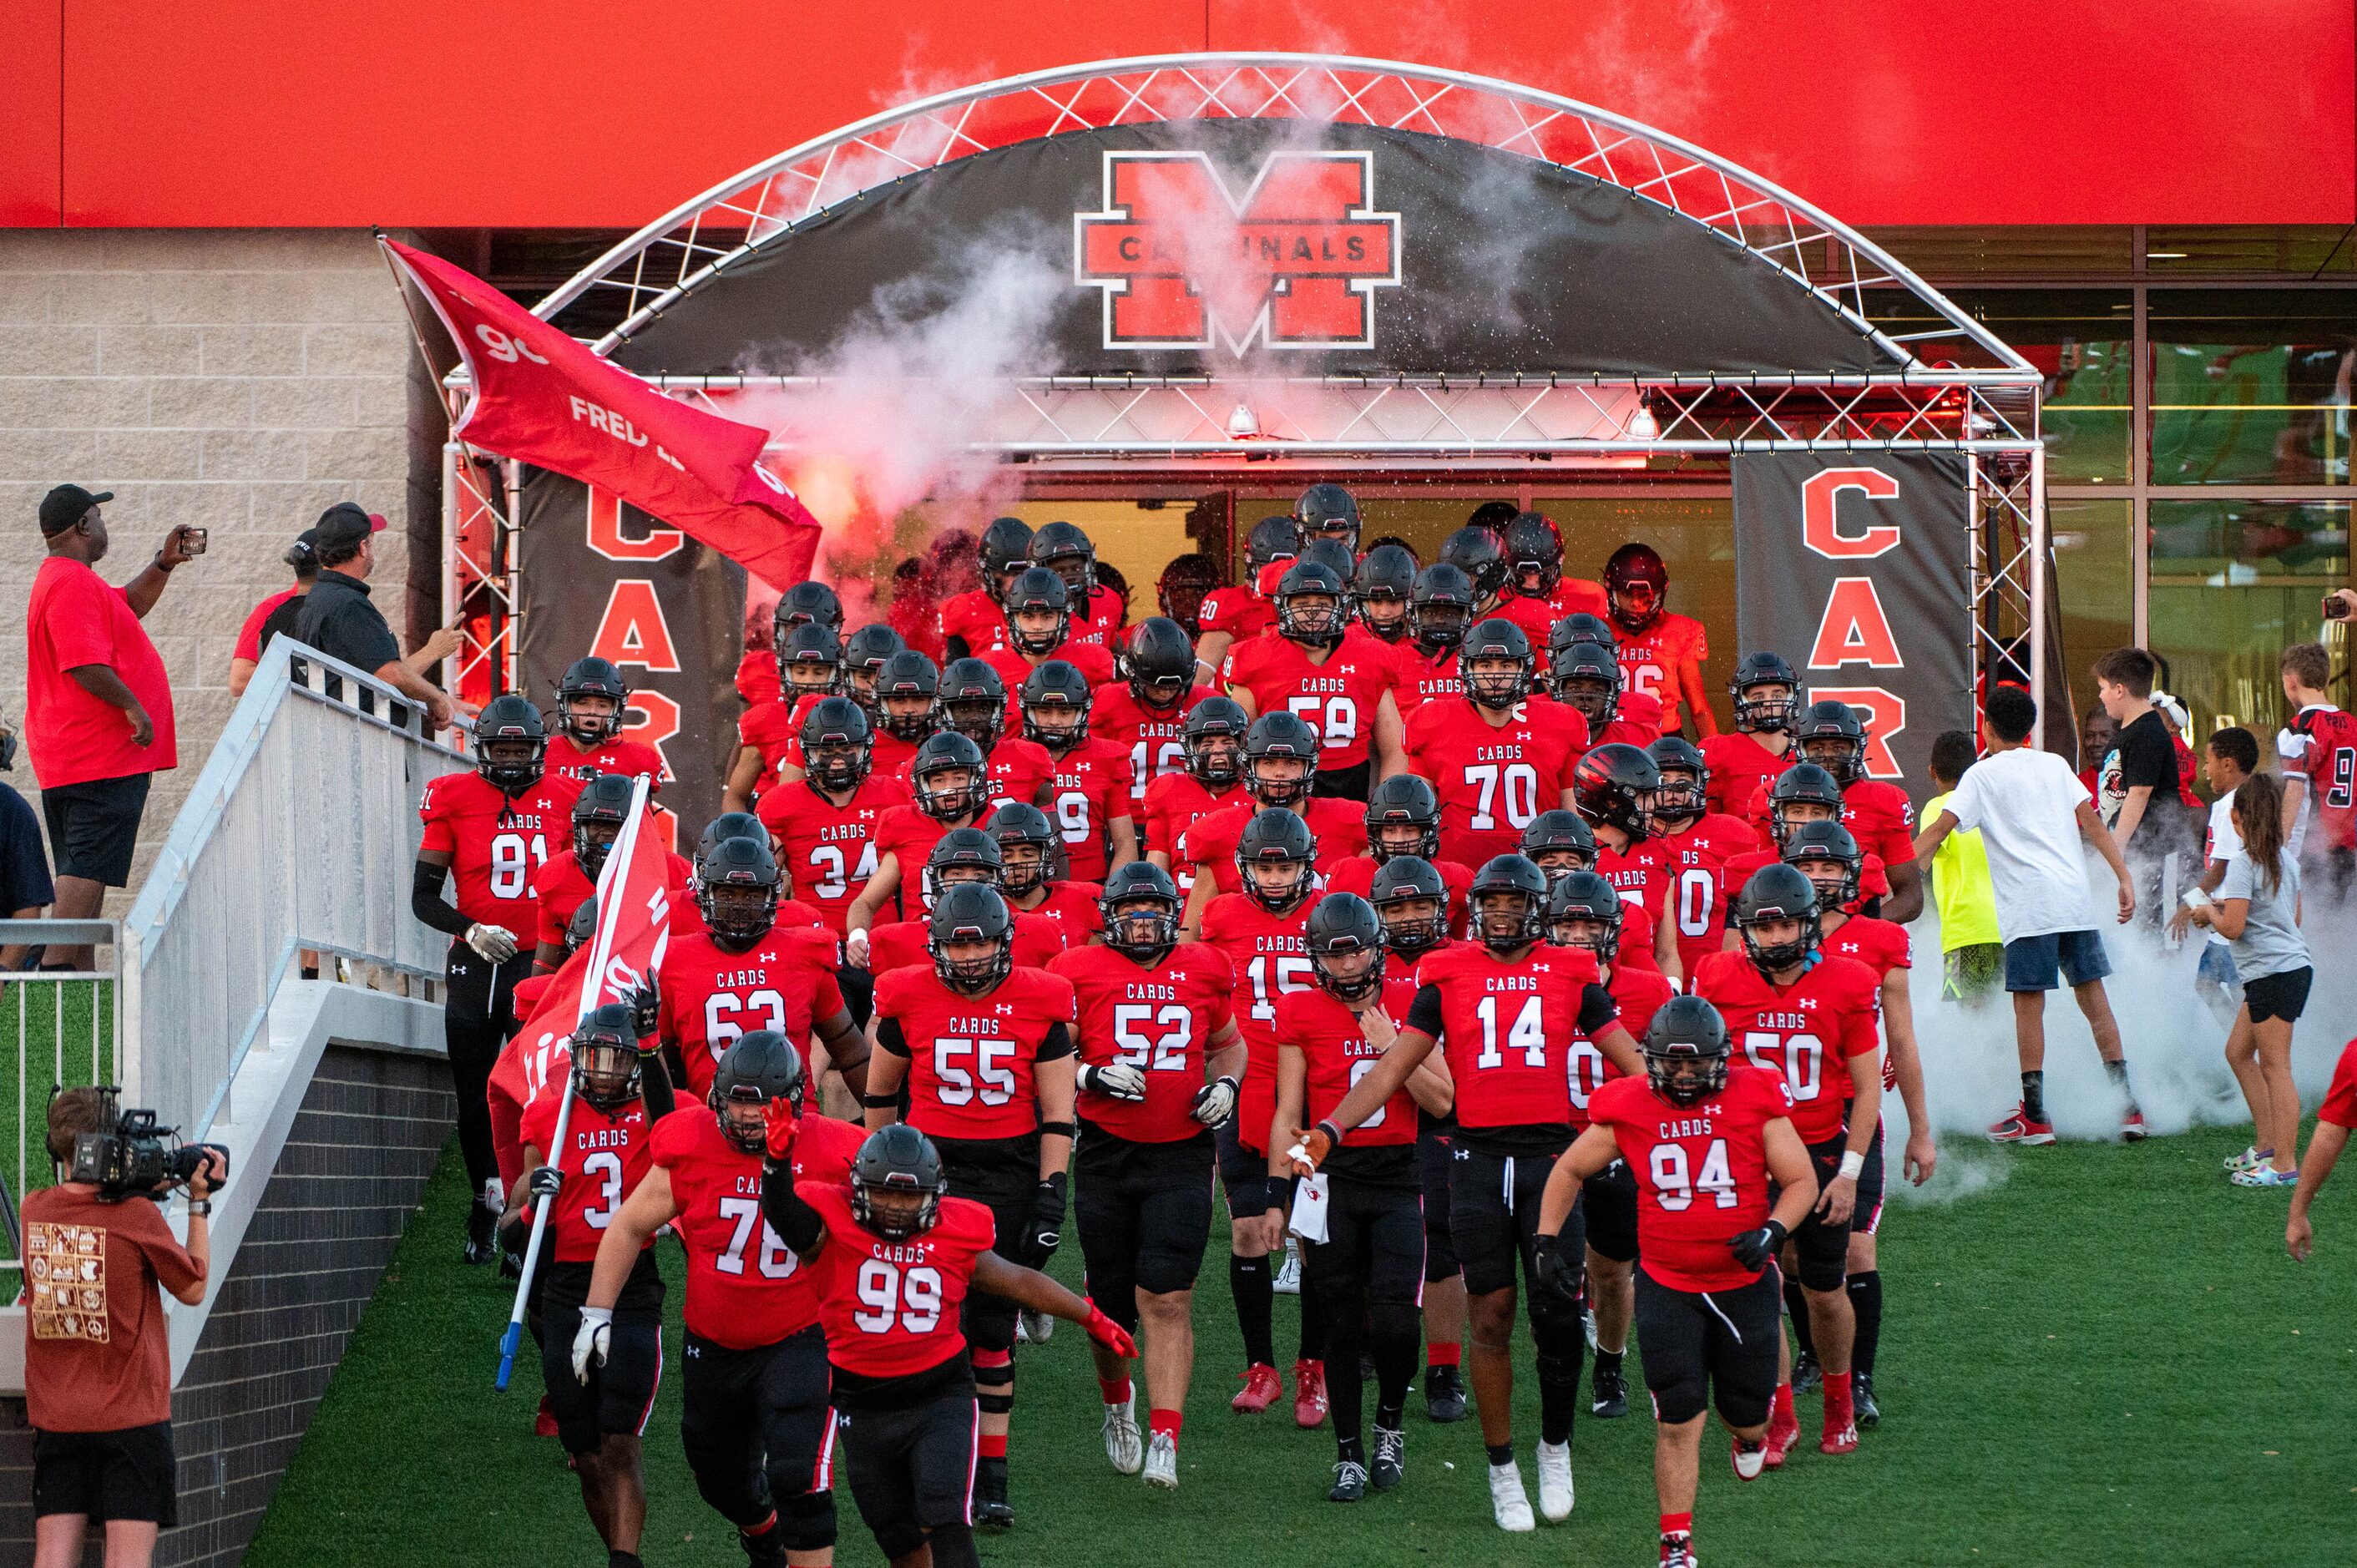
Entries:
{"x":1403,"y":818}
{"x":1097,"y":610}
{"x":1810,"y":1016}
{"x":864,"y":653}
{"x":1533,"y":549}
{"x":1693,"y":843}
{"x":985,"y":1049}
{"x":810,"y":666}
{"x":1481,"y":553}
{"x":755,"y":1417}
{"x":1160,"y":1063}
{"x":1311,"y":664}
{"x":1744,"y":762}
{"x":1613,"y":789}
{"x":493,"y":827}
{"x":600,"y":1376}
{"x":1695,"y":1128}
{"x":593,"y":704}
{"x":1584,"y":676}
{"x":974,"y":622}
{"x":1364,"y":1255}
{"x":1506,"y":1006}
{"x":1424,"y":667}
{"x":896,"y":1262}
{"x":908,"y":713}
{"x":1327,"y":511}
{"x":1280,"y":764}
{"x":1878,"y":813}
{"x":1213,"y":780}
{"x":1258,"y":930}
{"x":561,"y":881}
{"x":1802,"y":794}
{"x":1145,"y":712}
{"x":1560,"y":842}
{"x":951,"y":788}
{"x":961,"y":855}
{"x":1039,"y":629}
{"x":1028,"y":847}
{"x":1089,"y":791}
{"x":1498,"y":756}
{"x":1636,"y":716}
{"x":1829,"y":857}
{"x":1230,"y":616}
{"x":1660,"y":652}
{"x":824,"y":823}
{"x":1383,"y":585}
{"x":1182,"y":588}
{"x":973,"y":704}
{"x":1584,"y":912}
{"x":757,"y":680}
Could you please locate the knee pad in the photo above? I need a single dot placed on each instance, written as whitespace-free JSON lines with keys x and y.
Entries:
{"x":899,"y":1538}
{"x":1824,"y":1274}
{"x":994,"y":1382}
{"x":1552,"y":1320}
{"x":806,"y":1521}
{"x":952,"y":1547}
{"x":1680,"y":1399}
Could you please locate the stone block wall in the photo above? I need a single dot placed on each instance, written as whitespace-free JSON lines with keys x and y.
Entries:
{"x":241,"y":379}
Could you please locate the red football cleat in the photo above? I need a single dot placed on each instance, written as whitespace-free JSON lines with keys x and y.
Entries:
{"x":1260,"y":1391}
{"x":544,"y":1424}
{"x":1783,"y":1436}
{"x":1308,"y":1394}
{"x":1749,"y":1462}
{"x":2017,"y":1127}
{"x":1844,"y":1440}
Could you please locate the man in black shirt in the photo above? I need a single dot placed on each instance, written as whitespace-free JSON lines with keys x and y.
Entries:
{"x":2153,"y":827}
{"x":338,"y":617}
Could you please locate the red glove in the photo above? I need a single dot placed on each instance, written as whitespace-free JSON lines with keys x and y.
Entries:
{"x":778,"y":1116}
{"x":1109,"y":1333}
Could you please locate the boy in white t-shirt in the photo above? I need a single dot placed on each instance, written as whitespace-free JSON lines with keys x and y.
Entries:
{"x":2034,"y":815}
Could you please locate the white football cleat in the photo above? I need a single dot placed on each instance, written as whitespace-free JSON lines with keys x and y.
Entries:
{"x":1034,"y":1328}
{"x":1508,"y":1502}
{"x":1121,"y":1439}
{"x":1288,"y":1273}
{"x":1554,"y":1482}
{"x":1162,"y":1462}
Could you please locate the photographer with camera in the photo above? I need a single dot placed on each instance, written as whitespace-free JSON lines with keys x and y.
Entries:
{"x":98,"y":1358}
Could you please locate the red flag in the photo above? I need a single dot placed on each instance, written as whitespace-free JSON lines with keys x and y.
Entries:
{"x":540,"y":397}
{"x":540,"y":1052}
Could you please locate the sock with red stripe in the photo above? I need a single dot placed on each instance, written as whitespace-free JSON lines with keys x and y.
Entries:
{"x":1116,"y":1391}
{"x":1169,"y":1421}
{"x":1677,"y":1524}
{"x":1443,"y":1353}
{"x":1840,"y":1413}
{"x":991,"y":1447}
{"x":1781,"y":1414}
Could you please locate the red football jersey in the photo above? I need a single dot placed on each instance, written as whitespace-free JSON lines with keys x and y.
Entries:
{"x":1016,"y":767}
{"x":1625,"y":731}
{"x":2339,"y":1106}
{"x":495,"y":844}
{"x":977,"y":617}
{"x":971,"y":1058}
{"x":1533,"y":616}
{"x":908,"y":836}
{"x":1154,"y":742}
{"x":890,"y":1308}
{"x":1740,"y":770}
{"x":900,"y":944}
{"x":1807,"y":1031}
{"x":1265,"y":954}
{"x":1092,"y":659}
{"x":560,"y":886}
{"x":1209,"y":843}
{"x":1155,"y":1018}
{"x":1697,"y":862}
{"x":709,"y":995}
{"x":628,"y":758}
{"x":1419,"y":679}
{"x":1878,"y":944}
{"x":1336,"y":1053}
{"x":1641,"y":877}
{"x":1091,"y":787}
{"x":829,"y":851}
{"x":1357,"y":874}
{"x":888,"y":757}
{"x":1882,"y":819}
{"x":1337,"y":695}
{"x":1098,"y":623}
{"x":1650,"y":660}
{"x":1071,"y":907}
{"x":1173,"y":802}
{"x":746,"y":1288}
{"x":2326,"y":740}
{"x":1576,"y":596}
{"x":1637,"y":994}
{"x":1239,"y":612}
{"x":1701,"y":1169}
{"x":1493,"y":779}
{"x":774,"y":729}
{"x":1507,"y":1029}
{"x":604,"y":1159}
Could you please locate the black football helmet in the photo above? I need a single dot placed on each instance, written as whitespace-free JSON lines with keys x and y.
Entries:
{"x":1638,"y":584}
{"x":1275,"y":839}
{"x":1057,"y":685}
{"x":1617,"y":784}
{"x":1559,"y":842}
{"x":1006,"y":550}
{"x":730,"y":825}
{"x":1477,"y":553}
{"x":598,"y":678}
{"x":1038,"y":590}
{"x":1687,"y":1051}
{"x":807,"y":602}
{"x":1334,"y":554}
{"x":1145,"y":935}
{"x":1281,"y":736}
{"x":1312,"y":625}
{"x":810,"y":658}
{"x":1343,"y":926}
{"x":1063,"y":546}
{"x":1582,"y":899}
{"x":1272,"y":539}
{"x":907,"y":675}
{"x":736,"y":883}
{"x":1405,"y":801}
{"x":1180,"y":590}
{"x":1441,"y":608}
{"x":761,"y":1066}
{"x":897,"y":1182}
{"x":1509,"y":900}
{"x":1216,"y":728}
{"x":582,"y":927}
{"x":864,"y":653}
{"x":1804,"y":784}
{"x":598,"y":814}
{"x":961,"y":855}
{"x":971,"y":912}
{"x":1817,"y":844}
{"x":1494,"y":641}
{"x":838,"y":745}
{"x":510,"y":743}
{"x":1383,"y":586}
{"x":974,"y":702}
{"x":939,"y":756}
{"x":1582,"y":627}
{"x":606,"y":1062}
{"x":1400,"y":886}
{"x":1778,"y":892}
{"x":1329,"y":511}
{"x":1533,"y":547}
{"x":1830,"y":734}
{"x":1686,"y":777}
{"x":1158,"y":663}
{"x":1764,"y":715}
{"x":1019,"y":825}
{"x":1585,"y":678}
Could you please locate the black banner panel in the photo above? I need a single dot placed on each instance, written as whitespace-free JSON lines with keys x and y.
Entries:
{"x":1855,"y":566}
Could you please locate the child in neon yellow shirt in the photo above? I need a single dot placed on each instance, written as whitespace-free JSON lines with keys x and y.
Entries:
{"x":1971,"y":957}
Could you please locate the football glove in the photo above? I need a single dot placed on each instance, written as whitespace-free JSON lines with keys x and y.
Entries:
{"x":646,"y":1010}
{"x":1046,"y":1227}
{"x":855,"y":949}
{"x":1554,"y":1272}
{"x":592,"y":1340}
{"x":496,"y":943}
{"x":1109,"y":1333}
{"x":778,"y":1118}
{"x":1115,"y":1081}
{"x":1316,"y":1143}
{"x":1754,"y":1248}
{"x":547,"y":1181}
{"x":1215,"y":1102}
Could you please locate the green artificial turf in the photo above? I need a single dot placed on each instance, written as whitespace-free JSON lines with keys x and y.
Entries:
{"x":2092,"y":1354}
{"x":51,"y":1033}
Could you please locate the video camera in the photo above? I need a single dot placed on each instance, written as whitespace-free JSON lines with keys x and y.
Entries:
{"x":137,"y":1159}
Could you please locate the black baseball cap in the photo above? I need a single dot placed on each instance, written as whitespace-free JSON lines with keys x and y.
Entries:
{"x":343,"y":525}
{"x":64,"y":506}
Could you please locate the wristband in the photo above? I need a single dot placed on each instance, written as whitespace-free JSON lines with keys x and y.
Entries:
{"x":1333,"y":1134}
{"x":1852,"y":1162}
{"x":201,"y":1208}
{"x":879,"y":1101}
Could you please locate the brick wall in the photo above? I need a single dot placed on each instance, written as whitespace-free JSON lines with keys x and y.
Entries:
{"x":355,"y":1164}
{"x":239,"y":380}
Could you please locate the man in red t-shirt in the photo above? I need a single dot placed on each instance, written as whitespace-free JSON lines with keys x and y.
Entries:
{"x":1315,"y":663}
{"x":1499,"y":756}
{"x":2334,"y":1119}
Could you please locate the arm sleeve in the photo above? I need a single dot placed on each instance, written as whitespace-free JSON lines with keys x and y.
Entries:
{"x":426,"y":900}
{"x":654,"y":1087}
{"x":1597,"y":1011}
{"x":796,"y":1222}
{"x":1424,"y":1013}
{"x":890,"y":1038}
{"x":1057,"y":1046}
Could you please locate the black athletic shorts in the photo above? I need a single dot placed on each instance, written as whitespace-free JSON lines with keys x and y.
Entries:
{"x":1244,"y":1174}
{"x":758,"y":1431}
{"x":1823,"y":1247}
{"x":1608,"y":1204}
{"x":94,"y":826}
{"x":1434,"y":1155}
{"x":1144,"y":1213}
{"x":1867,"y":1219}
{"x":2281,"y":996}
{"x":911,"y":1465}
{"x":1493,"y":1214}
{"x":1374,"y":1243}
{"x":619,"y":1395}
{"x":1695,"y":1347}
{"x":128,"y":1474}
{"x":1004,"y":1176}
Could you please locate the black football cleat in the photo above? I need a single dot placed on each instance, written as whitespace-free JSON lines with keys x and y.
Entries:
{"x":1391,"y":1458}
{"x":1611,"y":1392}
{"x":1861,"y":1398}
{"x":1349,"y":1482}
{"x":1443,"y":1394}
{"x":991,"y":1508}
{"x":1807,"y":1376}
{"x":482,"y":1221}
